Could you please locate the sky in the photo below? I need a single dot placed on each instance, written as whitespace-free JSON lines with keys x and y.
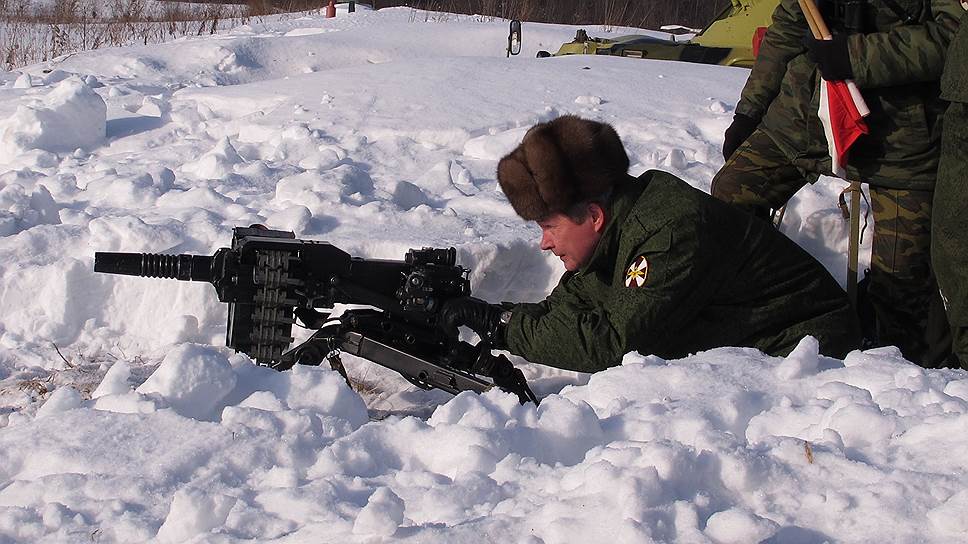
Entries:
{"x":123,"y":418}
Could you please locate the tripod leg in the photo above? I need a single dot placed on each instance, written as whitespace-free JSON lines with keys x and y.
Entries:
{"x":337,"y":364}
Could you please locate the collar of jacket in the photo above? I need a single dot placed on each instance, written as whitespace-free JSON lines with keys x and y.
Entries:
{"x":626,"y":194}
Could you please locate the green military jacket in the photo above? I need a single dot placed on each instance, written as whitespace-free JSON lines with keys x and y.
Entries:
{"x":954,"y":82}
{"x":897,"y":67}
{"x":949,"y":223}
{"x":677,"y":272}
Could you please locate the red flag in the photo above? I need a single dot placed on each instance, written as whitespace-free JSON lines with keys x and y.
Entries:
{"x":842,"y":112}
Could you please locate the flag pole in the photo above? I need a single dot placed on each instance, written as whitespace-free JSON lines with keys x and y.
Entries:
{"x":854,"y":248}
{"x":815,"y":20}
{"x":820,"y":31}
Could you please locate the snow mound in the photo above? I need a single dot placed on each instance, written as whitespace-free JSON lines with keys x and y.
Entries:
{"x":193,"y":379}
{"x":68,"y":117}
{"x":737,"y":526}
{"x":217,"y":163}
{"x":381,"y":516}
{"x":115,"y":381}
{"x":193,"y":512}
{"x":21,"y":210}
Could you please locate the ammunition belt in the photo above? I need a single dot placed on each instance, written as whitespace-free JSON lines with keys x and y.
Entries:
{"x":272,"y":316}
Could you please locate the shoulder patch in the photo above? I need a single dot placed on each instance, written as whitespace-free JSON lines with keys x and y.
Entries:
{"x":637,"y":273}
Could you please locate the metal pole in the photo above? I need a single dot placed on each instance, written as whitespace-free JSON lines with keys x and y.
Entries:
{"x":852,"y":256}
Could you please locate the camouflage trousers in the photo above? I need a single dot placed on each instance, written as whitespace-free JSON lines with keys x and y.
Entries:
{"x":759,"y":177}
{"x":949,"y":245}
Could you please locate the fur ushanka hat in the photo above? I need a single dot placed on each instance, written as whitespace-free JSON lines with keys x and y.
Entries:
{"x":561,"y":163}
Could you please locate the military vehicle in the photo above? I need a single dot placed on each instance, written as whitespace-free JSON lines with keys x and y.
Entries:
{"x":731,"y":39}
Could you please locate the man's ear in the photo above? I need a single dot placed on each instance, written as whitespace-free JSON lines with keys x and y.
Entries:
{"x":596,"y":214}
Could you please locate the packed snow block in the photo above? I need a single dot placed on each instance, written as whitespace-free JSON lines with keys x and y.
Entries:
{"x":294,"y":218}
{"x":263,"y":400}
{"x":194,"y":512}
{"x":591,"y":101}
{"x":56,"y":76}
{"x":676,"y":159}
{"x":567,"y":429}
{"x":738,"y":526}
{"x":115,"y":381}
{"x":70,"y":116}
{"x":55,"y":515}
{"x":802,"y":361}
{"x":126,"y":190}
{"x":127,"y":403}
{"x":295,"y":144}
{"x":860,"y":424}
{"x":193,"y":379}
{"x":155,"y":106}
{"x":448,"y":179}
{"x":957,"y":388}
{"x":319,"y":190}
{"x":320,"y":390}
{"x":407,"y":196}
{"x":61,"y":400}
{"x":491,"y":410}
{"x":23,"y":81}
{"x":381,"y":516}
{"x":325,"y":157}
{"x":21,"y":210}
{"x":218,"y":163}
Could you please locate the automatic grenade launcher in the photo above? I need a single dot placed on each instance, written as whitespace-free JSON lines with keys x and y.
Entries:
{"x":269,"y":278}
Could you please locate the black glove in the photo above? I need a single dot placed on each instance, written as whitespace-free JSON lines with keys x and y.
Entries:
{"x":742,"y":127}
{"x":831,"y":56}
{"x":479,"y":316}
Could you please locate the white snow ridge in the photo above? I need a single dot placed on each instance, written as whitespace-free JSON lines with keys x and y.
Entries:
{"x":123,"y":418}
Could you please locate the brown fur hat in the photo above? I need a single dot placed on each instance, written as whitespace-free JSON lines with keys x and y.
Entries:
{"x":559,"y":164}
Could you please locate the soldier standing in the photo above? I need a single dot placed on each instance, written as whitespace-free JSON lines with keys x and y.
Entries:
{"x":949,"y":243}
{"x":894,"y":50}
{"x":653,"y":265}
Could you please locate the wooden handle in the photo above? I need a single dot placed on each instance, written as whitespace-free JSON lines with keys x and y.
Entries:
{"x":817,"y":25}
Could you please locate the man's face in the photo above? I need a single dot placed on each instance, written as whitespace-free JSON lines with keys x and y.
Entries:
{"x":572,"y":242}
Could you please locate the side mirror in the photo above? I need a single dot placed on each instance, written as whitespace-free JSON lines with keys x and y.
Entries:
{"x":514,"y":38}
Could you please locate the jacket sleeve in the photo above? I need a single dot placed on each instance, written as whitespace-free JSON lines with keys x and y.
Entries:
{"x":590,"y":326}
{"x":783,"y":42}
{"x":905,"y":54}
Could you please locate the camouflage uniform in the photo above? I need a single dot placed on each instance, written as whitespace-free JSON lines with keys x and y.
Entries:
{"x":897,"y":66}
{"x":949,"y":246}
{"x":677,"y":272}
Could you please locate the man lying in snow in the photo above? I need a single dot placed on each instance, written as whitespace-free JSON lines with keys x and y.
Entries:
{"x":653,"y":265}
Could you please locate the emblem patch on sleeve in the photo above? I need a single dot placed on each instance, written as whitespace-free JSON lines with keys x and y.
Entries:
{"x":637,"y":273}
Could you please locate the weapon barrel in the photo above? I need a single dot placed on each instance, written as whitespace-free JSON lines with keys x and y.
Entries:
{"x":152,"y":265}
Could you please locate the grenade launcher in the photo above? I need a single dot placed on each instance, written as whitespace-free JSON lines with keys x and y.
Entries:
{"x":269,"y":278}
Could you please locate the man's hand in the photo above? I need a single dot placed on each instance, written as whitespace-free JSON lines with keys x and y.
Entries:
{"x":479,"y":316}
{"x":737,"y":133}
{"x":831,"y":56}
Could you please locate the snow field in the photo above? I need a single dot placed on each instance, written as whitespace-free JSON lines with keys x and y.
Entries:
{"x":721,"y":447}
{"x":124,"y":419}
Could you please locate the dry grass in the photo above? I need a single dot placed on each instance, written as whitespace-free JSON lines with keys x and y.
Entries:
{"x":70,"y":25}
{"x":74,"y":25}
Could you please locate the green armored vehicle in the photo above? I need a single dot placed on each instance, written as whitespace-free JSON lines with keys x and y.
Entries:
{"x":731,"y":39}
